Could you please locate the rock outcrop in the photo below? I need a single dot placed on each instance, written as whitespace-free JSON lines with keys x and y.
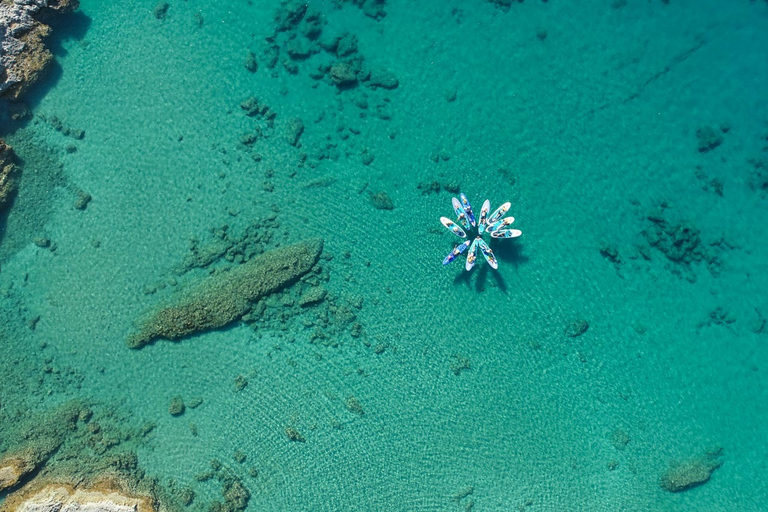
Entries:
{"x":16,"y":467}
{"x":225,"y":297}
{"x":23,"y":55}
{"x":7,"y":175}
{"x":11,"y":472}
{"x":66,"y":498}
{"x":40,"y":442}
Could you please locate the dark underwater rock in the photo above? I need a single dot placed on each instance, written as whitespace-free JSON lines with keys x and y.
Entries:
{"x":384,"y":79}
{"x":176,"y":408}
{"x":680,"y":242}
{"x":343,"y":74}
{"x":293,"y":131}
{"x":576,"y":328}
{"x":708,"y":139}
{"x":160,"y":10}
{"x":758,"y":179}
{"x":290,"y":15}
{"x":250,"y":63}
{"x":382,"y":201}
{"x":686,"y":474}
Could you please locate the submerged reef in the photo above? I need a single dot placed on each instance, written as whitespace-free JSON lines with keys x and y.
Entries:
{"x":681,"y":243}
{"x":686,"y":474}
{"x":225,"y":297}
{"x":23,"y":55}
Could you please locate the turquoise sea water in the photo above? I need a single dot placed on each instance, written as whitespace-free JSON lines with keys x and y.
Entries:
{"x":605,"y":123}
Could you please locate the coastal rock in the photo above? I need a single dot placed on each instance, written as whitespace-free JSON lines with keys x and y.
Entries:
{"x":12,"y":470}
{"x":7,"y":174}
{"x":36,"y":444}
{"x":23,"y":55}
{"x":41,"y":443}
{"x":225,"y":297}
{"x":313,"y":25}
{"x":65,"y":498}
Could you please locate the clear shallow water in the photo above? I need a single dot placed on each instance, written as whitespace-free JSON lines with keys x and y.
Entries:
{"x":586,"y":131}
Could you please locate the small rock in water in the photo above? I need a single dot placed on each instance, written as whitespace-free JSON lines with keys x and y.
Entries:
{"x":177,"y":406}
{"x":382,"y":201}
{"x":294,"y":435}
{"x":312,"y":296}
{"x":343,"y":74}
{"x":353,"y":406}
{"x":708,"y":139}
{"x":240,"y":383}
{"x":383,"y":78}
{"x":366,"y":157}
{"x":160,"y":10}
{"x":251,"y":64}
{"x":576,"y":328}
{"x":83,"y":198}
{"x":619,"y":439}
{"x":43,"y":242}
{"x":609,"y":252}
{"x":293,"y":131}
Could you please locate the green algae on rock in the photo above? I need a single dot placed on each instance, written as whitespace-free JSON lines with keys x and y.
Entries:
{"x":224,"y":298}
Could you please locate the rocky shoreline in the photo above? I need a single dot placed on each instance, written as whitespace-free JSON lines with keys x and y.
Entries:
{"x":23,"y":55}
{"x":7,"y":174}
{"x":107,"y":496}
{"x":24,"y":59}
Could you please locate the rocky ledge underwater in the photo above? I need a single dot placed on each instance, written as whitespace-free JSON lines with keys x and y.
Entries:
{"x":81,"y":454}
